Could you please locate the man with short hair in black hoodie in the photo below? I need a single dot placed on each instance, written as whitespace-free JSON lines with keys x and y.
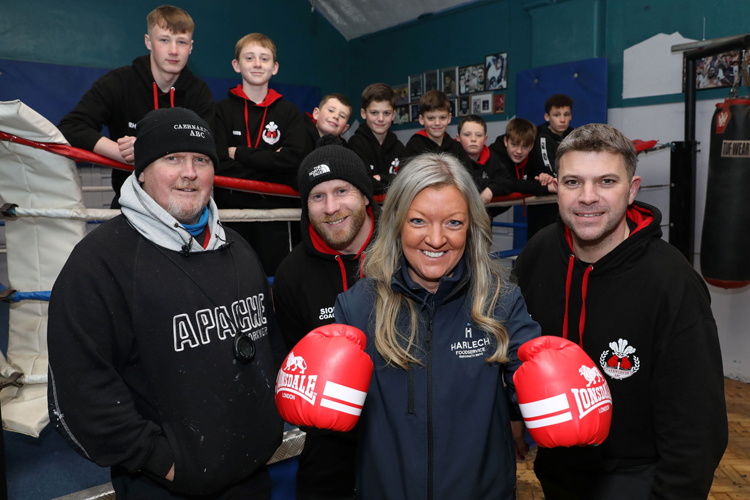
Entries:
{"x":339,"y":215}
{"x":120,"y":98}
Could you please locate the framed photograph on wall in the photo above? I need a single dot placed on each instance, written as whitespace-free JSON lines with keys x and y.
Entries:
{"x":471,"y":79}
{"x":414,"y":111}
{"x":481,"y":104}
{"x":496,"y":71}
{"x":449,"y":81}
{"x":431,"y":80}
{"x":415,"y":87}
{"x":454,"y":107}
{"x":402,"y":94}
{"x":713,"y":72}
{"x":401,"y":115}
{"x":463,"y":106}
{"x":499,"y":104}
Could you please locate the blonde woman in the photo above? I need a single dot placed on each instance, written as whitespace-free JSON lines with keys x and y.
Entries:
{"x":443,"y":328}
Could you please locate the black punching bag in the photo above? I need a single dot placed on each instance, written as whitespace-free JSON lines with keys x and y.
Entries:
{"x":725,"y":245}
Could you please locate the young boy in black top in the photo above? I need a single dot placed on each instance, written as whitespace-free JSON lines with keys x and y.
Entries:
{"x":330,"y":117}
{"x":513,"y":150}
{"x":378,"y":147}
{"x":120,"y":98}
{"x":435,"y":116}
{"x":260,"y":136}
{"x":490,"y":176}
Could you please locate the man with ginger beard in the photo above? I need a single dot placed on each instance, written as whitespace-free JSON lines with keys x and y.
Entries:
{"x":337,"y":203}
{"x":163,"y":345}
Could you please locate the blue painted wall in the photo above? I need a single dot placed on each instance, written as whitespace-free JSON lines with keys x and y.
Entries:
{"x":534,"y":33}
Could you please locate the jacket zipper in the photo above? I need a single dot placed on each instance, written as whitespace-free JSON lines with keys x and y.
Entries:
{"x":430,"y":448}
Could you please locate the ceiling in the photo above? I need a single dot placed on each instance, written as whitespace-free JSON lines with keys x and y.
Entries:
{"x":354,"y":18}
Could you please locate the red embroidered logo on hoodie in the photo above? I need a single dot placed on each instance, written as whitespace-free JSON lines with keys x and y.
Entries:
{"x":271,"y":134}
{"x":621,"y":363}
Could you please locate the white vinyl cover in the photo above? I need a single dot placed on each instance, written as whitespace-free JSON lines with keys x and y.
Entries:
{"x":37,"y":250}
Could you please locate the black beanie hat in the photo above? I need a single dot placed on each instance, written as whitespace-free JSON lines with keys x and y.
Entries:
{"x":331,"y":160}
{"x":171,"y":130}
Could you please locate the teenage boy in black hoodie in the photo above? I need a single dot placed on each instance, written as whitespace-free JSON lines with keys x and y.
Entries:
{"x":330,"y":117}
{"x":557,"y":114}
{"x":378,"y":147}
{"x":435,"y":116}
{"x":512,"y":149}
{"x":260,"y":136}
{"x":119,"y":99}
{"x":339,"y":216}
{"x":603,"y":278}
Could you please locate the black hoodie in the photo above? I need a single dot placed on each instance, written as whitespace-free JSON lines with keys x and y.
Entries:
{"x":304,"y":291}
{"x":545,"y":147}
{"x":647,"y":324}
{"x":522,"y":174}
{"x":421,"y":142}
{"x":258,"y":130}
{"x":120,"y":98}
{"x":382,"y":159}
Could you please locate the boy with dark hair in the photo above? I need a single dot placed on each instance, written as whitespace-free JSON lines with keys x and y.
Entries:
{"x":491,"y":177}
{"x":435,"y":116}
{"x":512,"y":149}
{"x":378,"y":147}
{"x":330,"y":117}
{"x":120,"y":98}
{"x":557,"y":115}
{"x":260,"y":136}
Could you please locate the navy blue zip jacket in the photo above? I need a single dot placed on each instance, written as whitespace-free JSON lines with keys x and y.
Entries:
{"x":441,"y":430}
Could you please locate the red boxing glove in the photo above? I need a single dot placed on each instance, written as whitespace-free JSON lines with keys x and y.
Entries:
{"x":331,"y":358}
{"x":563,"y":396}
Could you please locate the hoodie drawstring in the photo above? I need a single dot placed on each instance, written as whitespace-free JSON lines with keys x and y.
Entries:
{"x":584,"y":289}
{"x":343,"y":270}
{"x":247,"y":129}
{"x":156,"y":96}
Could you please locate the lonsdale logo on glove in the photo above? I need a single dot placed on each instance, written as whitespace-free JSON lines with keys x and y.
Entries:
{"x":564,"y":398}
{"x":331,"y":357}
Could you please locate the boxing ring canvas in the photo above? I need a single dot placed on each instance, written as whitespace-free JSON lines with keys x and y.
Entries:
{"x":584,"y":81}
{"x":37,"y":249}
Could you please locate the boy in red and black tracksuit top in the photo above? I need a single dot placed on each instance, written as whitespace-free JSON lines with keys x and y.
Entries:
{"x":490,"y":176}
{"x":260,"y":136}
{"x":373,"y":142}
{"x":123,"y":96}
{"x":330,"y":117}
{"x":435,"y":116}
{"x":512,"y":149}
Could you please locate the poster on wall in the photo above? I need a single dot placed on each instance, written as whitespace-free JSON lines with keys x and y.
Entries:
{"x":415,"y":87}
{"x":431,"y":81}
{"x":499,"y":106}
{"x":496,"y":71}
{"x":463,"y":106}
{"x":715,"y":72}
{"x":449,"y":81}
{"x":414,"y":110}
{"x":401,"y":92}
{"x":471,"y":79}
{"x":401,"y":115}
{"x":481,"y":104}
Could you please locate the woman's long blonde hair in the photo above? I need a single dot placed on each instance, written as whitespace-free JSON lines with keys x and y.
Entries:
{"x":431,"y":170}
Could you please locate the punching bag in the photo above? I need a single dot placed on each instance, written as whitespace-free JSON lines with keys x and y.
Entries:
{"x":725,"y":244}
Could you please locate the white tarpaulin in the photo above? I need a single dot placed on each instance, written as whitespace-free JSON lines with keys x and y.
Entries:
{"x":37,"y":250}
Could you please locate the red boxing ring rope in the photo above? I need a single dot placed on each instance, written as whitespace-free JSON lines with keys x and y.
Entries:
{"x":259,"y":187}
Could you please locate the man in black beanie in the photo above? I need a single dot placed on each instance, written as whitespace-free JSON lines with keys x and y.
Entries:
{"x":338,"y":218}
{"x":163,"y":344}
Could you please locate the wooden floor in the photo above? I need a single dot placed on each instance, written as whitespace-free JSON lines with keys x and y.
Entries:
{"x":731,"y":479}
